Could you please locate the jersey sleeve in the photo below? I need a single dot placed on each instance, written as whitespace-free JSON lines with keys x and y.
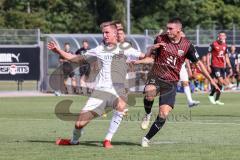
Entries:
{"x":132,"y":53}
{"x":158,"y":39}
{"x":91,"y":52}
{"x":192,"y":54}
{"x":91,"y":55}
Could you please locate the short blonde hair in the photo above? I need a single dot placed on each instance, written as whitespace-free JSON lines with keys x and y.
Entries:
{"x":118,"y":24}
{"x":109,"y":23}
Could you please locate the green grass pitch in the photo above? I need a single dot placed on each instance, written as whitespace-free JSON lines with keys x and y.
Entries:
{"x":29,"y":128}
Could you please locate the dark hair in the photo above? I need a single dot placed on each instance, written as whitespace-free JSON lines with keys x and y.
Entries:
{"x":175,"y":20}
{"x":120,"y":29}
{"x":66,"y":43}
{"x":117,"y":22}
{"x":83,"y":41}
{"x":221,"y":32}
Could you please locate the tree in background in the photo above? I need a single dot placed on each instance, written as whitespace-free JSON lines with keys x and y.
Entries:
{"x":84,"y":16}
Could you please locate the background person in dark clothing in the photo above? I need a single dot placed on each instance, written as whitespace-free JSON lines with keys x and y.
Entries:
{"x":68,"y":72}
{"x":85,"y":69}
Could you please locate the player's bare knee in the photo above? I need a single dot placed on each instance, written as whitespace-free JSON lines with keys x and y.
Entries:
{"x":121,"y":106}
{"x":150,"y":88}
{"x":150,"y":92}
{"x":163,"y":115}
{"x":149,"y":98}
{"x":164,"y":111}
{"x":80,"y":124}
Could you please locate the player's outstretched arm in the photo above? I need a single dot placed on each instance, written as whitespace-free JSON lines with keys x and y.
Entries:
{"x":149,"y":56}
{"x":152,"y":48}
{"x":189,"y":69}
{"x":207,"y":75}
{"x":146,"y":60}
{"x":68,"y":56}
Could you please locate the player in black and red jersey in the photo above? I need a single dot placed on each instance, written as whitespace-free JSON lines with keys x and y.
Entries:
{"x":217,"y":60}
{"x":171,"y":50}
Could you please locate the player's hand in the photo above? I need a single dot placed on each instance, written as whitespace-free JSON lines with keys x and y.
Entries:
{"x":209,"y":69}
{"x":230,"y":72}
{"x":215,"y":85}
{"x":52,"y":46}
{"x":131,"y":62}
{"x":158,"y":45}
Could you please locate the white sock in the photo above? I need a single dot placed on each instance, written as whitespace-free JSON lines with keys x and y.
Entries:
{"x":187,"y":91}
{"x":149,"y":115}
{"x":115,"y":123}
{"x":77,"y":133}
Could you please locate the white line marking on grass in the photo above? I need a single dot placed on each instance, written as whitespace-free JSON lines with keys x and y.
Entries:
{"x":103,"y":120}
{"x":164,"y":142}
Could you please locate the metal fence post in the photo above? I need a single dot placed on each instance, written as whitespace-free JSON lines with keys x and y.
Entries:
{"x":197,"y":35}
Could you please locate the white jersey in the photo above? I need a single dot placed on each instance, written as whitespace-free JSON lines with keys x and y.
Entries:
{"x":110,"y":59}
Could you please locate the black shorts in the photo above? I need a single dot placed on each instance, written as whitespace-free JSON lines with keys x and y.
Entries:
{"x":85,"y":69}
{"x":67,"y":70}
{"x":218,"y":72}
{"x":166,"y":89}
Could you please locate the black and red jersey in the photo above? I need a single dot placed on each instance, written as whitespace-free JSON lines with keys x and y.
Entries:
{"x":169,"y":59}
{"x":218,"y":53}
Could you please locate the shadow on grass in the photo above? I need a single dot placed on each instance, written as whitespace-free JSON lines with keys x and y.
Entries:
{"x":87,"y":143}
{"x":99,"y":143}
{"x":40,"y":141}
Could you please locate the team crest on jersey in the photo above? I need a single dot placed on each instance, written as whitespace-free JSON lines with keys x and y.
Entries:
{"x":224,"y":48}
{"x":180,"y":52}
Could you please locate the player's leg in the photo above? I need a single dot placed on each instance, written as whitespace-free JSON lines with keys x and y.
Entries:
{"x":118,"y":113}
{"x":187,"y":91}
{"x":83,"y":119}
{"x":166,"y":104}
{"x":228,"y":78}
{"x":238,"y":80}
{"x":185,"y":82}
{"x":221,"y":83}
{"x":215,"y":74}
{"x":94,"y":107}
{"x":74,"y":84}
{"x":206,"y":84}
{"x":150,"y":91}
{"x":164,"y":110}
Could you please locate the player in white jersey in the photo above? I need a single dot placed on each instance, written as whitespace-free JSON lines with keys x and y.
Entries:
{"x":112,"y":128}
{"x":109,"y":90}
{"x":184,"y":78}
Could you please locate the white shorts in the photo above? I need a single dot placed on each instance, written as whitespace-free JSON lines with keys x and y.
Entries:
{"x":184,"y":74}
{"x":102,"y":101}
